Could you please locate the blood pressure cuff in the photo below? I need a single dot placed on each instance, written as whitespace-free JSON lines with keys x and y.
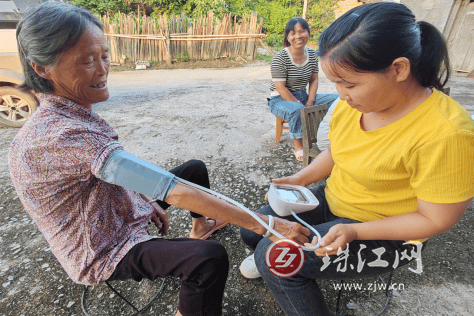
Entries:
{"x":133,"y":173}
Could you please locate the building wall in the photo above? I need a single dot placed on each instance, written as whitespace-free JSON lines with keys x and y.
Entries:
{"x":435,"y":12}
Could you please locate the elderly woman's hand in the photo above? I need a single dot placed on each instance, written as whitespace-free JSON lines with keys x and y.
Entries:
{"x":160,"y":218}
{"x":290,"y":230}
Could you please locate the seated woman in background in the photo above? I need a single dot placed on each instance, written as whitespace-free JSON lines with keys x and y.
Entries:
{"x":400,"y":159}
{"x":90,"y":198}
{"x":293,"y":68}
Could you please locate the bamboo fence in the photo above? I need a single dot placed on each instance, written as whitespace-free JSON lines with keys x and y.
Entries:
{"x":159,"y":39}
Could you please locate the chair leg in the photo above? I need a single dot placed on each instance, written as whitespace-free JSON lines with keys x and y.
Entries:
{"x":306,"y":157}
{"x":279,"y":129}
{"x":387,"y":294}
{"x":120,"y":295}
{"x":388,"y":283}
{"x":339,"y":297}
{"x":137,"y":311}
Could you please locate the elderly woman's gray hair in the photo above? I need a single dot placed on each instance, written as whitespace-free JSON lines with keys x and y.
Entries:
{"x":46,"y":31}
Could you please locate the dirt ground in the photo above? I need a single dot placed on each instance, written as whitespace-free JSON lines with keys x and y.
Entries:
{"x":224,"y":62}
{"x":219,"y":116}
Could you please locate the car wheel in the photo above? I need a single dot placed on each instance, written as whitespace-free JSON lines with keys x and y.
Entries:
{"x":16,"y":106}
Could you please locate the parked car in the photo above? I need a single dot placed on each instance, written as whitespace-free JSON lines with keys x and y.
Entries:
{"x":16,"y":105}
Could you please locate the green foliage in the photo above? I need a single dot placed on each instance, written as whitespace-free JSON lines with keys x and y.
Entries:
{"x":266,"y":58}
{"x":100,"y":6}
{"x":183,"y":57}
{"x":203,"y":6}
{"x":192,"y":8}
{"x":320,"y":15}
{"x":274,"y":40}
{"x":275,"y":15}
{"x":175,"y":7}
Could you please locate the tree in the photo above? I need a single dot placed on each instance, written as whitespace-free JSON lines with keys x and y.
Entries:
{"x":192,"y":8}
{"x":175,"y":7}
{"x":100,"y":6}
{"x":320,"y":15}
{"x":305,"y":7}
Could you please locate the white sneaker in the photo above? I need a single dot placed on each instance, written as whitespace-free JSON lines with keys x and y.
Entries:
{"x":248,"y":268}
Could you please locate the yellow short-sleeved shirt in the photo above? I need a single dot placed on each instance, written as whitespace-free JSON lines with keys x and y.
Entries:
{"x":428,"y":154}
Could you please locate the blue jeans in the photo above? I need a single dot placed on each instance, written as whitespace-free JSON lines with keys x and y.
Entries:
{"x":300,"y":294}
{"x":290,"y":111}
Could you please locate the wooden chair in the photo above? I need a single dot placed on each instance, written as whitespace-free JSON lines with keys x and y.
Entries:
{"x":446,"y":91}
{"x":280,"y":126}
{"x":310,"y":119}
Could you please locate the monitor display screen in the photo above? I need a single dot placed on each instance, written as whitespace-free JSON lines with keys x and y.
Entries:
{"x":291,"y":195}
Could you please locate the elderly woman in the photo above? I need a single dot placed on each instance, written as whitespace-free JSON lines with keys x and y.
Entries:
{"x":295,"y":68}
{"x":400,"y":157}
{"x":82,"y":189}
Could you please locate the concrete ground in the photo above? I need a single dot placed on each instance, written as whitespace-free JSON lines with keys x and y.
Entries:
{"x":220,"y":117}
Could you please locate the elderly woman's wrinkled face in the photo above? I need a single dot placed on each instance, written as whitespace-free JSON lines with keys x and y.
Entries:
{"x":81,"y":73}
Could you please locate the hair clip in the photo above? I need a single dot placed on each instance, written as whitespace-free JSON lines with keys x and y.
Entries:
{"x":355,"y":14}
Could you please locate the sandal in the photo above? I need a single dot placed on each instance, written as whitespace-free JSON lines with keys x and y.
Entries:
{"x":218,"y":225}
{"x":298,"y":155}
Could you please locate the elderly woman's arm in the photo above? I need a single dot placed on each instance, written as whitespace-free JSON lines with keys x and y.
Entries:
{"x":124,"y":169}
{"x":430,"y":219}
{"x":205,"y":204}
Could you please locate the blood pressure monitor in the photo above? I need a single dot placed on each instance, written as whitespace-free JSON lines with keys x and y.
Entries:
{"x":286,"y":197}
{"x":151,"y":180}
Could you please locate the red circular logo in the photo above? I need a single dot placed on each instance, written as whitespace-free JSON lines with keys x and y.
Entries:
{"x":284,"y":258}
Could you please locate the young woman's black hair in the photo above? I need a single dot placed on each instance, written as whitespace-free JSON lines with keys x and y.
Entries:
{"x":369,"y":37}
{"x":290,"y":26}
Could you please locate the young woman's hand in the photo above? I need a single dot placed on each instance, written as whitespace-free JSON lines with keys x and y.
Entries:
{"x":286,"y":180}
{"x":337,"y":237}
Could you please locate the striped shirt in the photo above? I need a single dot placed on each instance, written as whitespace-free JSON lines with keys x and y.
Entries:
{"x":296,"y":76}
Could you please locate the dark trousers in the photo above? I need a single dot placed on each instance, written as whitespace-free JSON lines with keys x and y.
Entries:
{"x":201,"y":266}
